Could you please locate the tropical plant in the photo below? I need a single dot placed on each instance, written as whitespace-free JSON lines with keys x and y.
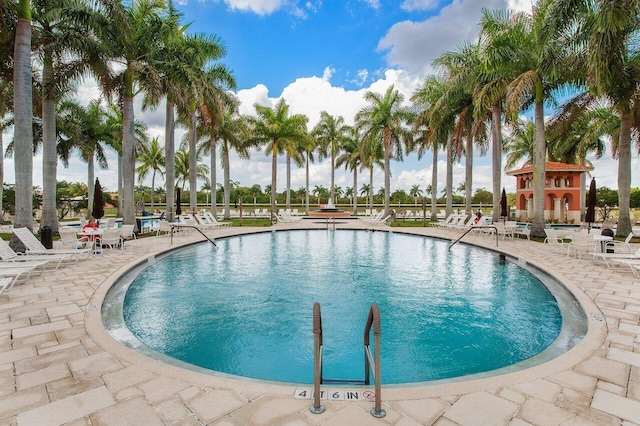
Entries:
{"x":604,"y":33}
{"x":151,"y":159}
{"x":330,"y":132}
{"x":275,"y":128}
{"x":383,"y":122}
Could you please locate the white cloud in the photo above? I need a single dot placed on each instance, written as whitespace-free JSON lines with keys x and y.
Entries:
{"x":411,"y":5}
{"x":261,"y":7}
{"x":373,"y":3}
{"x":414,"y":45}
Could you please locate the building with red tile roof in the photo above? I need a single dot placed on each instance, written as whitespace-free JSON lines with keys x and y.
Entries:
{"x":563,"y":194}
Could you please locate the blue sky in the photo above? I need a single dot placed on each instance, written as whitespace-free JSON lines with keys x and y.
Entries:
{"x":325,"y":55}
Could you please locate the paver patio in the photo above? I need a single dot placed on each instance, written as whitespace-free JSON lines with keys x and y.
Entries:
{"x":59,"y":366}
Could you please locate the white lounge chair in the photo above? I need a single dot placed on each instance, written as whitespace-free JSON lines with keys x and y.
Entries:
{"x":211,"y":220}
{"x":34,"y":246}
{"x":610,"y":258}
{"x":43,"y":261}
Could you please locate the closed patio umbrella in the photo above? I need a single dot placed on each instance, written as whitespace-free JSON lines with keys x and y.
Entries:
{"x":178,"y":208}
{"x":98,"y":201}
{"x":590,"y":215}
{"x":504,"y":208}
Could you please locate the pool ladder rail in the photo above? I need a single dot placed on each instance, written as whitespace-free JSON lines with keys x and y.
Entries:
{"x":371,"y":361}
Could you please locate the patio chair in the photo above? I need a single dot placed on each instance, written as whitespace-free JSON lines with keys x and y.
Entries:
{"x":34,"y":246}
{"x":69,"y":238}
{"x":126,"y":232}
{"x":211,"y":220}
{"x":633,"y":264}
{"x":111,"y":238}
{"x":581,"y":244}
{"x":42,"y":261}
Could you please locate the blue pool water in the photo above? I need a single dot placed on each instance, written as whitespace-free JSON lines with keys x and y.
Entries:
{"x":246,"y":307}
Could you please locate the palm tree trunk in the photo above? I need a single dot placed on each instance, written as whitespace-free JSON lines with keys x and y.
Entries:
{"x":371,"y":188}
{"x":214,"y":177}
{"x":624,"y":174}
{"x":170,"y":162}
{"x":332,"y":194}
{"x":193,"y":165}
{"x":387,"y":170}
{"x":120,"y":189}
{"x":49,"y":155}
{"x":449,"y":183}
{"x":468,"y":178}
{"x":23,"y":115}
{"x":288,"y":197}
{"x":274,"y":169}
{"x":227,"y":183}
{"x":128,"y":154}
{"x":306,"y":196}
{"x":496,"y":158}
{"x":90,"y":186}
{"x":355,"y":190}
{"x":434,"y":185}
{"x":539,"y":172}
{"x":153,"y":184}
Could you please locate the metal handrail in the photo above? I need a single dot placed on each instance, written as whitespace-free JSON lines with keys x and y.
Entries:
{"x":197,"y":228}
{"x":317,"y":408}
{"x":373,"y":320}
{"x":369,"y":360}
{"x":495,"y":228}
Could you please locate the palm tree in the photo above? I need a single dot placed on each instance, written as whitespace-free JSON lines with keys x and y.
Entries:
{"x":351,"y":159}
{"x":276,"y":128}
{"x":579,"y":130}
{"x":130,"y":37}
{"x":184,"y":170}
{"x":383,"y":122}
{"x":537,"y":61}
{"x":605,"y":34}
{"x":151,"y":160}
{"x":308,"y":149}
{"x":23,"y":113}
{"x":67,"y":49}
{"x":520,"y":145}
{"x":430,"y":126}
{"x":84,"y":130}
{"x":232,"y":133}
{"x":416,"y":193}
{"x":329,"y":132}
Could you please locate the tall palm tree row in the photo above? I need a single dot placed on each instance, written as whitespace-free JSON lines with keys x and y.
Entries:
{"x":518,"y":64}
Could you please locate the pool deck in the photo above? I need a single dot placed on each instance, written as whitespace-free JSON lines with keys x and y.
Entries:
{"x":59,"y":366}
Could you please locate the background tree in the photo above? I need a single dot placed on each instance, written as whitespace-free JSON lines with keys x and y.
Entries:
{"x":151,"y":160}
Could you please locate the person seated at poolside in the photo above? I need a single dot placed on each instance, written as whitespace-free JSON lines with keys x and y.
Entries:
{"x":89,"y":228}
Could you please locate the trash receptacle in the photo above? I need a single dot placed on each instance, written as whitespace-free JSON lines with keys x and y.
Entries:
{"x":138,"y":226}
{"x":609,"y":244}
{"x":46,"y":236}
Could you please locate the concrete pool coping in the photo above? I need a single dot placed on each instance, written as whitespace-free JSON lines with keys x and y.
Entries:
{"x":55,"y":355}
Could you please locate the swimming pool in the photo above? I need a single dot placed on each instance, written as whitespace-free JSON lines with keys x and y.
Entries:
{"x":245,"y":309}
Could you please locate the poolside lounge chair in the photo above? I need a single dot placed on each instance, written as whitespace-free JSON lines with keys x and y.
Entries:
{"x":44,"y":261}
{"x":633,"y":264}
{"x":34,"y":246}
{"x":210,"y":219}
{"x":127,"y":232}
{"x":610,"y":258}
{"x":13,"y":273}
{"x":69,"y":238}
